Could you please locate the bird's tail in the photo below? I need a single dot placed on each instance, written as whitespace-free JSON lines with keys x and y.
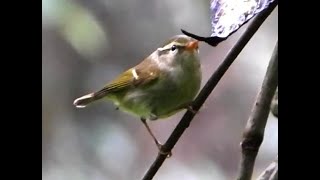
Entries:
{"x":83,"y":101}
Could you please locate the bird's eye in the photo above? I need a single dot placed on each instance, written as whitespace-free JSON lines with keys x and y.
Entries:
{"x":174,"y":47}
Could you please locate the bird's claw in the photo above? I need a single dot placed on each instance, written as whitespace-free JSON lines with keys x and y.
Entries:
{"x":168,"y":154}
{"x":190,"y":108}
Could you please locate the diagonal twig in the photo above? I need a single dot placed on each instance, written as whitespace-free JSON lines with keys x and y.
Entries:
{"x":254,"y":130}
{"x":206,"y":91}
{"x":271,"y":172}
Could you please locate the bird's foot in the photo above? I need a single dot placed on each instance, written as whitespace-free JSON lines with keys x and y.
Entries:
{"x":168,"y":154}
{"x":190,"y":108}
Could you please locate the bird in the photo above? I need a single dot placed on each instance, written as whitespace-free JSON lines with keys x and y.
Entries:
{"x":161,"y":85}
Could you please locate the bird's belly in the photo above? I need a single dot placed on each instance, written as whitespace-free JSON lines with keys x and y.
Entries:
{"x":163,"y":98}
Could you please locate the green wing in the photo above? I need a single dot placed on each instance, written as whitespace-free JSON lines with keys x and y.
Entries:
{"x":141,"y":75}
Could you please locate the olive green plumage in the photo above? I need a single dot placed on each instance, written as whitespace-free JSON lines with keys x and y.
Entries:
{"x":161,"y":85}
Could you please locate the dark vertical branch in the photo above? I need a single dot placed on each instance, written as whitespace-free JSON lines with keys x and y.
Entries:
{"x":254,"y":130}
{"x":206,"y":91}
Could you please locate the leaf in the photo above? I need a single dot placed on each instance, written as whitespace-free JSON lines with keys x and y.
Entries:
{"x":227,"y":16}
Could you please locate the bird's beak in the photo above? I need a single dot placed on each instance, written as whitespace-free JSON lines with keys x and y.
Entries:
{"x":193,"y":45}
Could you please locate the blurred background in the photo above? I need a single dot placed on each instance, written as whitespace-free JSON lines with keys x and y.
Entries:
{"x":86,"y":43}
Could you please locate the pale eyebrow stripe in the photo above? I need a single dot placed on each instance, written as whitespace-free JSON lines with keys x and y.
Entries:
{"x":169,"y":46}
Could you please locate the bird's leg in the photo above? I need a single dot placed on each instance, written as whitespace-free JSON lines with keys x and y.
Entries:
{"x":159,"y":145}
{"x":150,"y":132}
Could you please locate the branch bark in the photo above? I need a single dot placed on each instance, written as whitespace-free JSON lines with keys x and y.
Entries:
{"x":254,"y":130}
{"x":206,"y":91}
{"x":271,"y":172}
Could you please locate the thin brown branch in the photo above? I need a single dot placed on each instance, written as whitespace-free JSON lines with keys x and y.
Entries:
{"x":206,"y":91}
{"x":271,"y":172}
{"x":254,"y":130}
